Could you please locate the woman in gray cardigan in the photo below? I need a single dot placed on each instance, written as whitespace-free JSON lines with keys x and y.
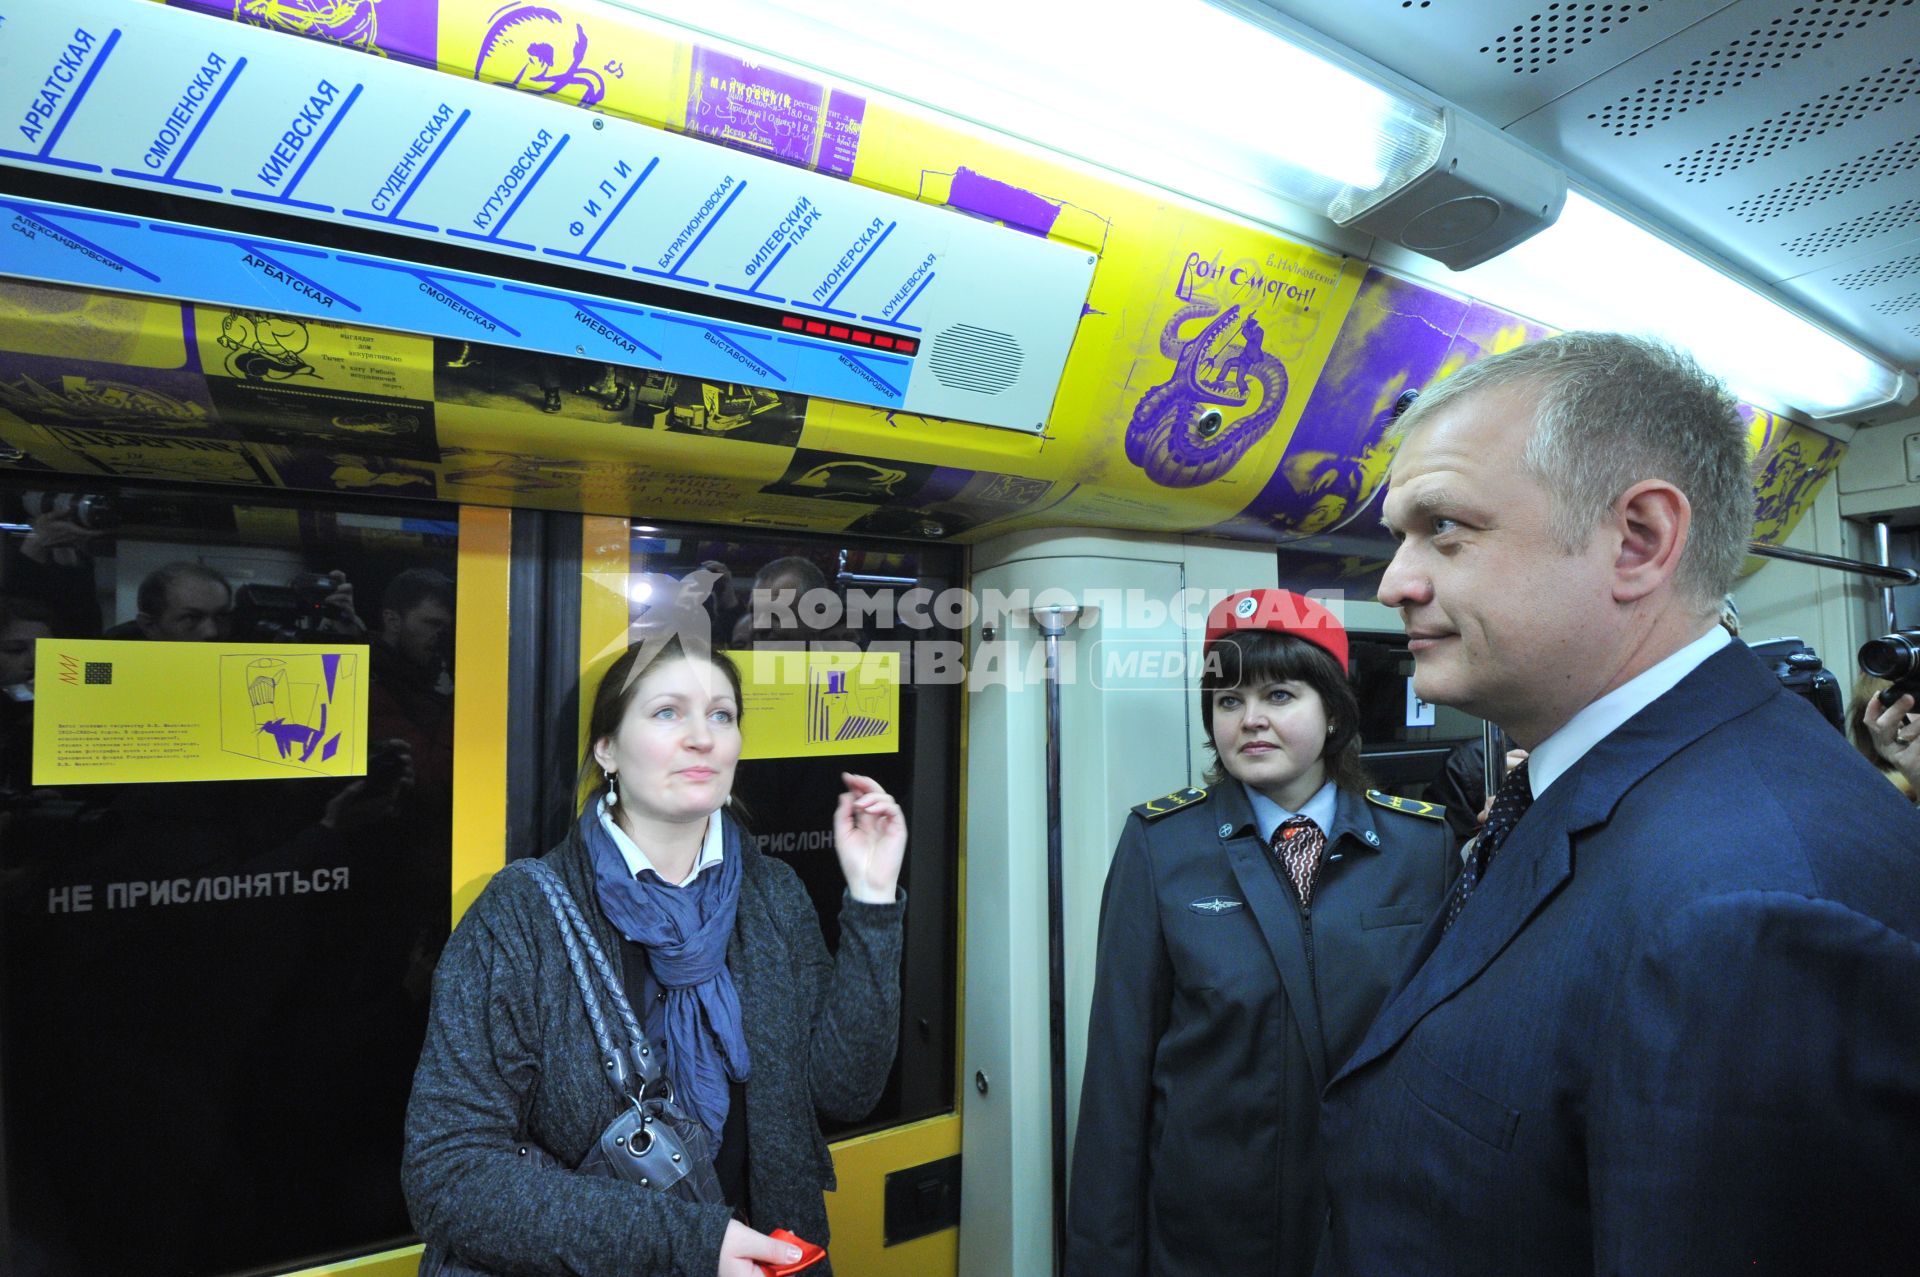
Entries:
{"x":724,"y":964}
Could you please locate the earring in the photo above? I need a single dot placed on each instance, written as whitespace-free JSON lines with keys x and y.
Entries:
{"x":613,"y":790}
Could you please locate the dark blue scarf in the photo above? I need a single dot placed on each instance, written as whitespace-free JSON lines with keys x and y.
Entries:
{"x":685,"y":931}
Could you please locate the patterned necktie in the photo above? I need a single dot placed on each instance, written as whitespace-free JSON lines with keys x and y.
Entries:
{"x":1510,"y":803}
{"x":1296,"y":844}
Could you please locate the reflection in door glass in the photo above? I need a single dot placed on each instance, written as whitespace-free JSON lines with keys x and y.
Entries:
{"x":213,"y":991}
{"x":849,"y":668}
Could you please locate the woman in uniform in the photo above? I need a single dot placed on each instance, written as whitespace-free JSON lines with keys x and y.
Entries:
{"x":1248,"y":934}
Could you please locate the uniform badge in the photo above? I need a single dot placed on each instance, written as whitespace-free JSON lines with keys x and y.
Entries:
{"x":1214,"y":906}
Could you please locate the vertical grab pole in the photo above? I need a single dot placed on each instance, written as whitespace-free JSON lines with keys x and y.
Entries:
{"x":1053,"y":622}
{"x":1883,"y":547}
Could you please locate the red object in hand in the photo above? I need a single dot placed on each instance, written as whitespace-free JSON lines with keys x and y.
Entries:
{"x":809,"y":1254}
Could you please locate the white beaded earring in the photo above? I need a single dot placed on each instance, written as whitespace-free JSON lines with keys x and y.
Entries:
{"x":613,"y":790}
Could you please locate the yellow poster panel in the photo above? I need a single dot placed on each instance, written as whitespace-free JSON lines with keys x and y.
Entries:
{"x":117,"y":711}
{"x":813,"y":704}
{"x":308,"y":354}
{"x":109,"y":328}
{"x":1786,"y":482}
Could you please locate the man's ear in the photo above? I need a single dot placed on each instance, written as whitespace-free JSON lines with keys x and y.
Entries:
{"x":389,"y":621}
{"x":1654,"y":520}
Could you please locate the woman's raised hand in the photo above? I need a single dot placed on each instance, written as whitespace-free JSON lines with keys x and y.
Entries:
{"x":870,"y":835}
{"x":1895,"y":739}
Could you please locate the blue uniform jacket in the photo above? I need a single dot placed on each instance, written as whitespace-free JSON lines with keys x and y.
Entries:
{"x":1220,"y":1009}
{"x":1676,"y":1029}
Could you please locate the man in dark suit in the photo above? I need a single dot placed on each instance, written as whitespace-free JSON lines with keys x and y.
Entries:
{"x":1669,"y":1023}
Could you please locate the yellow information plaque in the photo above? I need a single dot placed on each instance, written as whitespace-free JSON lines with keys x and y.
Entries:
{"x":813,"y":704}
{"x":110,"y":711}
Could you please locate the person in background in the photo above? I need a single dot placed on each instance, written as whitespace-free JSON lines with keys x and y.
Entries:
{"x":410,"y":695}
{"x":1888,"y":736}
{"x":1248,"y":933}
{"x":181,"y":602}
{"x":721,"y":957}
{"x":23,"y":623}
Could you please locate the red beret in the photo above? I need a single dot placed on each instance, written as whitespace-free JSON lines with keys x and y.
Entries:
{"x":1283,"y":612}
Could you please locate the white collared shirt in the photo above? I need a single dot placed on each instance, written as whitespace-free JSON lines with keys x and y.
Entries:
{"x":1557,"y":754}
{"x":1269,"y":815}
{"x":712,"y":847}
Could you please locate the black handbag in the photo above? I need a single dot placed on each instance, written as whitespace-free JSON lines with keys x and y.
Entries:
{"x":652,"y":1142}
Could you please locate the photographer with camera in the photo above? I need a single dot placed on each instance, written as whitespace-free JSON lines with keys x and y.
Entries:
{"x":1881,"y":719}
{"x":49,"y":559}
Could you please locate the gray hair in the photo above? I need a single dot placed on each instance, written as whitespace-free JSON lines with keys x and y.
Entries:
{"x":1612,"y":410}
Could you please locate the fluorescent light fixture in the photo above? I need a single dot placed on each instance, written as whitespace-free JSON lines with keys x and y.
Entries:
{"x":1596,"y":268}
{"x":1177,"y":93}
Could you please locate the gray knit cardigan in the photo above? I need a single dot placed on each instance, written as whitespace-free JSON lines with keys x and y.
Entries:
{"x":509,"y":1050}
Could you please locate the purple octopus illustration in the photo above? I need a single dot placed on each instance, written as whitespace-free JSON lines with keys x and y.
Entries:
{"x":1180,"y":433}
{"x":354,"y":23}
{"x":534,"y":49}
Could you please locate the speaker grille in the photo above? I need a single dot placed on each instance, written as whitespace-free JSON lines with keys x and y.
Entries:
{"x":1554,"y":33}
{"x":983,"y":360}
{"x":1852,"y":232}
{"x":1874,"y":276}
{"x":1888,"y":161}
{"x":1889,"y":87}
{"x":1761,"y":50}
{"x":1898,"y":305}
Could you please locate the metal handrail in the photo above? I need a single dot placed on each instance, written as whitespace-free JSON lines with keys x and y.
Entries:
{"x":1901,"y":576}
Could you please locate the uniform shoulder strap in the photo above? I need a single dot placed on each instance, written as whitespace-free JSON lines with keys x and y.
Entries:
{"x":1408,"y":806}
{"x":1169,"y":803}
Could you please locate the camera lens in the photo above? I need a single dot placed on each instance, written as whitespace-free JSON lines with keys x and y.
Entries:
{"x":1893,"y":657}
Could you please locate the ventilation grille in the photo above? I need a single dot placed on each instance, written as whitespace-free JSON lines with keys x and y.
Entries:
{"x":1885,"y":88}
{"x":1898,"y":305}
{"x":1874,"y":276}
{"x":1559,"y":31}
{"x":1888,"y":161}
{"x":1900,"y":216}
{"x":1761,"y":50}
{"x":983,"y":360}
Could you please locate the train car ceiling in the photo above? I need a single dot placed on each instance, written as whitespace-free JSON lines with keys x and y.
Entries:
{"x":1213,"y":376}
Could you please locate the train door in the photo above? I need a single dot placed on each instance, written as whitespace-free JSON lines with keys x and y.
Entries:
{"x":234,"y":730}
{"x":217,"y":951}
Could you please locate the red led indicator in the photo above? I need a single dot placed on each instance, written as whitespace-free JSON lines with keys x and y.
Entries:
{"x":816,"y":327}
{"x":907,"y":345}
{"x":883,"y":341}
{"x":837,"y":331}
{"x":864,"y":339}
{"x":790,"y":321}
